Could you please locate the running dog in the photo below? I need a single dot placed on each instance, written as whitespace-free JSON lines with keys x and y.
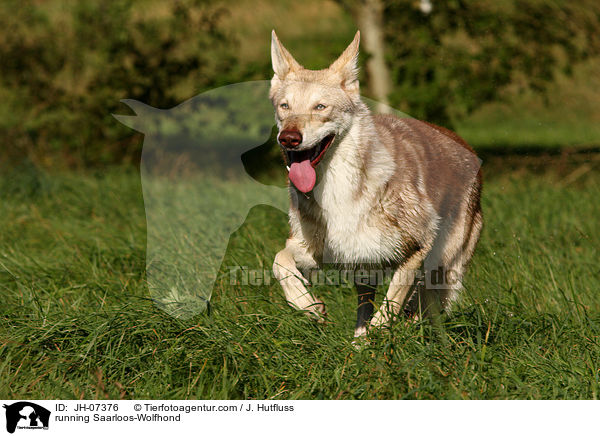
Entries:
{"x":370,"y":190}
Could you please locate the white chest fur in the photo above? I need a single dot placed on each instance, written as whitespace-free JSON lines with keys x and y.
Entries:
{"x":350,"y":206}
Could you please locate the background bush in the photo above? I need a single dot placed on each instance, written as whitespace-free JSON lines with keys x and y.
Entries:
{"x":449,"y":62}
{"x":66,"y":64}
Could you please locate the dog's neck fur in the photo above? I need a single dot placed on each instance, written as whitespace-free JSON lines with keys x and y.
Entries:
{"x":357,"y":157}
{"x":350,"y":183}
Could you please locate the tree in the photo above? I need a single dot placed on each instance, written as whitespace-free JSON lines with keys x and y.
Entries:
{"x":368,"y":15}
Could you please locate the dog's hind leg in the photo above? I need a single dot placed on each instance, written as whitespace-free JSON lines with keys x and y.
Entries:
{"x":285,"y":269}
{"x":457,"y":259}
{"x":447,"y":263}
{"x":399,"y":289}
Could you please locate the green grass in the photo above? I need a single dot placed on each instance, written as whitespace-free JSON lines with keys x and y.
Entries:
{"x":77,"y":320}
{"x":535,"y":132}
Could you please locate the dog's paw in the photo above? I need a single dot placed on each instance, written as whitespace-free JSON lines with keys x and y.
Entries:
{"x":317,"y":312}
{"x":360,"y":342}
{"x":412,"y":318}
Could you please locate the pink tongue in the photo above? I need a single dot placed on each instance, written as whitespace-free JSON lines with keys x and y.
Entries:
{"x":303,"y":175}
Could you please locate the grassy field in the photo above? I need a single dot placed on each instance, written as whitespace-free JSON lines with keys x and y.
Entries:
{"x":77,"y":320}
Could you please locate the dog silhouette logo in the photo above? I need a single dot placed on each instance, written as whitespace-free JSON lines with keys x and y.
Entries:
{"x":26,"y":415}
{"x":199,"y":173}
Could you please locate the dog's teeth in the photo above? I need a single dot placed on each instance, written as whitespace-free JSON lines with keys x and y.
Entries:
{"x":288,"y":168}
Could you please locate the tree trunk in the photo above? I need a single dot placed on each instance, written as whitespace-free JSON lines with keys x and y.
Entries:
{"x":368,"y":14}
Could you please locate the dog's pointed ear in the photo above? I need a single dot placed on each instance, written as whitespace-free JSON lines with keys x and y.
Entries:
{"x":347,"y":64}
{"x":283,"y":62}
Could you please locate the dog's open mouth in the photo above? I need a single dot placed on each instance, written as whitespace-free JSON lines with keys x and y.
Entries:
{"x":315,"y":154}
{"x":302,"y":164}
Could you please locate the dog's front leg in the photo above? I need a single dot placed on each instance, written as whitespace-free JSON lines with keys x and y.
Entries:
{"x":398,"y":292}
{"x":285,"y":269}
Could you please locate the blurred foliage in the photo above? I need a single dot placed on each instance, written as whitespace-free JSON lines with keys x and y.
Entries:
{"x":66,"y":64}
{"x":464,"y":53}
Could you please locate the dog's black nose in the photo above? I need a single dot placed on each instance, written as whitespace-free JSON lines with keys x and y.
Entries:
{"x":290,"y":138}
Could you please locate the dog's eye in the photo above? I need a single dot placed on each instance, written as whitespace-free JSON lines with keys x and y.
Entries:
{"x":320,"y":107}
{"x":284,"y":106}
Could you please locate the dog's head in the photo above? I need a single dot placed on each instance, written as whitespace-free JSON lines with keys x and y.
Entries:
{"x":312,"y":108}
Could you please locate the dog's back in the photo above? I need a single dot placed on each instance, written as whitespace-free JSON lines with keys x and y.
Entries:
{"x":432,"y":157}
